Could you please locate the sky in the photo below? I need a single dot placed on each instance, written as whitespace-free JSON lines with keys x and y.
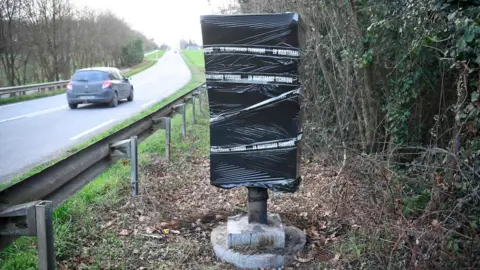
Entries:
{"x":163,"y":20}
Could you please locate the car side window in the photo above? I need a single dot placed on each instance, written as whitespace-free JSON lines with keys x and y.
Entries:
{"x":112,"y":76}
{"x":120,"y":75}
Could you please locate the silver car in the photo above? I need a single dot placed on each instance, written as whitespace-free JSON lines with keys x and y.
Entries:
{"x":98,"y":85}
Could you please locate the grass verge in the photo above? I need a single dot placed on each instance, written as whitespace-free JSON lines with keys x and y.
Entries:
{"x":155,"y":55}
{"x":140,"y":67}
{"x":195,"y":57}
{"x":134,"y":70}
{"x":75,"y":220}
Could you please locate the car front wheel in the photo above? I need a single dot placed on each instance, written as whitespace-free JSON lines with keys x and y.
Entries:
{"x":72,"y":105}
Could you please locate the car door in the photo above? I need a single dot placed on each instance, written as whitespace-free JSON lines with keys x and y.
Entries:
{"x":126,"y":83}
{"x":123,"y":83}
{"x":118,"y":83}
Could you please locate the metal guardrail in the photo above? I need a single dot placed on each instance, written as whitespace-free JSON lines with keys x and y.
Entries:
{"x":37,"y":88}
{"x":26,"y":207}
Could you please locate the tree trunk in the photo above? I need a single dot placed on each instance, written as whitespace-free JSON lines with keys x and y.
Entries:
{"x":369,"y":104}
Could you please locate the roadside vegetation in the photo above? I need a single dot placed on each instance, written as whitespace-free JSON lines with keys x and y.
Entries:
{"x":155,"y":55}
{"x":77,"y":219}
{"x":390,"y":169}
{"x":392,"y":118}
{"x":140,"y":67}
{"x":46,"y":40}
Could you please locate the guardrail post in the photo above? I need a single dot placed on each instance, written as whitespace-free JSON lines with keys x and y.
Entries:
{"x":194,"y":119}
{"x":184,"y":121}
{"x":203,"y":95}
{"x":192,"y":100}
{"x":39,"y":222}
{"x":181,"y":109}
{"x":134,"y":165}
{"x":193,"y":110}
{"x":165,"y":123}
{"x":46,"y":254}
{"x":128,"y":149}
{"x":199,"y":101}
{"x":167,"y":137}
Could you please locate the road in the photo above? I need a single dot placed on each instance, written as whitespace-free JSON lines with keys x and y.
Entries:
{"x":37,"y":131}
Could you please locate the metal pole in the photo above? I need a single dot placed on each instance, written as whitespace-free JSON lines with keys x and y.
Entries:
{"x":44,"y":223}
{"x":193,"y":110}
{"x":184,"y":122}
{"x":167,"y":138}
{"x":257,"y":205}
{"x":200,"y":101}
{"x":134,"y":165}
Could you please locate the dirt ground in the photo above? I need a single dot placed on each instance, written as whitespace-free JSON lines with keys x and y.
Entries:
{"x":168,"y":226}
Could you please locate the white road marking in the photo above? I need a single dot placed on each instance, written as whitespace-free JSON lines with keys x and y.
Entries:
{"x":148,"y":103}
{"x":34,"y":114}
{"x":92,"y":129}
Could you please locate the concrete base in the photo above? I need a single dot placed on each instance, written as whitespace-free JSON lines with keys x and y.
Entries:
{"x":241,"y":233}
{"x":270,"y":255}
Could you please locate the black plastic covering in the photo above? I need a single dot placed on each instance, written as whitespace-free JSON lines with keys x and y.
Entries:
{"x":252,"y":65}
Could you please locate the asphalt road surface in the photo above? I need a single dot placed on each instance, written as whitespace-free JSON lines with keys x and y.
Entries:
{"x":37,"y":131}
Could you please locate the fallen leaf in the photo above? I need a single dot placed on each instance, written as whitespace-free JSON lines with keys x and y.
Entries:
{"x":169,"y":224}
{"x":143,"y":218}
{"x":125,"y":205}
{"x":303,"y":260}
{"x":155,"y":236}
{"x":79,"y":260}
{"x":323,"y":225}
{"x":165,"y":231}
{"x":63,"y":266}
{"x":107,"y":225}
{"x":124,"y":232}
{"x":336,"y":258}
{"x":149,"y":230}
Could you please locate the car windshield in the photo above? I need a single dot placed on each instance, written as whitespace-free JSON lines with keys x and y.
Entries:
{"x":89,"y":76}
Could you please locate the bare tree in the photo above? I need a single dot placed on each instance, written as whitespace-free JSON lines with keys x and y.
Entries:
{"x":10,"y":24}
{"x":48,"y":39}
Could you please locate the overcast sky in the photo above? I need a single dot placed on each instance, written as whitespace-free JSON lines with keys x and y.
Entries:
{"x":163,"y":20}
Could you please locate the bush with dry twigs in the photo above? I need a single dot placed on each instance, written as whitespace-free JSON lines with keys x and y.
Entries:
{"x":392,"y":108}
